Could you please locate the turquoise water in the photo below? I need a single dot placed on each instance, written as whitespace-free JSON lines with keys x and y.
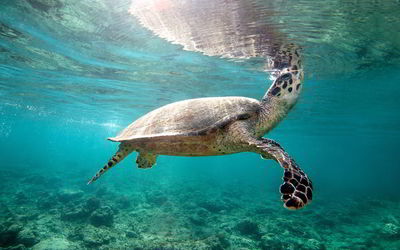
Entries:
{"x":73,"y":73}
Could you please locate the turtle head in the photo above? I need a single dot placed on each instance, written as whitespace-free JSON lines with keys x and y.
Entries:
{"x":287,"y":75}
{"x":281,"y":97}
{"x":286,"y":88}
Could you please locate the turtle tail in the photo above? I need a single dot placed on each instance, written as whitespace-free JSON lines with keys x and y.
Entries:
{"x":123,"y":151}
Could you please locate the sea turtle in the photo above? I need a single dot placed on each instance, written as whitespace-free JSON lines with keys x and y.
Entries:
{"x":219,"y":126}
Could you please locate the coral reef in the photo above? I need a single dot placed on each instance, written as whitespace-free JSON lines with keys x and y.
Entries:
{"x":169,"y":216}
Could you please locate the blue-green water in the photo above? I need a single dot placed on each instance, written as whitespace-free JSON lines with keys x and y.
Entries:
{"x":73,"y":73}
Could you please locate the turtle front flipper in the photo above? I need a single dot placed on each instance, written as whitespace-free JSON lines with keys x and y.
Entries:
{"x":124,"y":150}
{"x":297,"y":188}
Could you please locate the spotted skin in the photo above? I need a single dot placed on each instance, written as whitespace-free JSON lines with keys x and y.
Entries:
{"x":295,"y":194}
{"x":124,"y":150}
{"x":288,"y":78}
{"x":296,"y":190}
{"x":223,"y":125}
{"x":146,"y":160}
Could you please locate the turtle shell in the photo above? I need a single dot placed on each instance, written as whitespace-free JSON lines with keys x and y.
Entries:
{"x":189,"y":117}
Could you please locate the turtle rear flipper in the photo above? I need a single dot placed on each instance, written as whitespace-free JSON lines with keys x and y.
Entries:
{"x":124,"y":150}
{"x":145,"y":159}
{"x":297,"y":188}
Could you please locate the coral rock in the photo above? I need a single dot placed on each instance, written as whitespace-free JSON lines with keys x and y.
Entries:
{"x":92,"y":204}
{"x":53,"y":243}
{"x":103,"y":216}
{"x":74,"y":213}
{"x":27,"y":237}
{"x":9,"y":236}
{"x":95,"y":237}
{"x":248,"y":228}
{"x":391,"y":230}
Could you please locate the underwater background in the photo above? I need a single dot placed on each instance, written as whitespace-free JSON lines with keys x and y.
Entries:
{"x":73,"y":73}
